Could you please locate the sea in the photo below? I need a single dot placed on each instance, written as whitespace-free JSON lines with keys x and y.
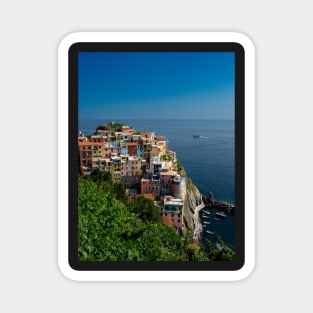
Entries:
{"x":208,"y":159}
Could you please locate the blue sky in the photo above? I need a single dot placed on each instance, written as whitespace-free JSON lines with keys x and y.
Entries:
{"x":120,"y":85}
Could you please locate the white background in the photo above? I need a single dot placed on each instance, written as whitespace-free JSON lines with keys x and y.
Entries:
{"x":29,"y":277}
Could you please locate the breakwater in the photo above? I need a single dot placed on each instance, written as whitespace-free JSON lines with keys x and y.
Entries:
{"x":209,"y":201}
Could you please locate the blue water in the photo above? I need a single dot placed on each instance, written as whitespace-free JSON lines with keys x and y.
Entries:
{"x":208,"y":161}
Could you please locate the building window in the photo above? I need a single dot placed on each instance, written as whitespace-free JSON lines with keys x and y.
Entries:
{"x":172,"y":215}
{"x":179,"y":221}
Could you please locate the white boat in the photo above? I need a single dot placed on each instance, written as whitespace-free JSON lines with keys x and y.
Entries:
{"x":221,"y":214}
{"x":210,"y":232}
{"x":205,"y":222}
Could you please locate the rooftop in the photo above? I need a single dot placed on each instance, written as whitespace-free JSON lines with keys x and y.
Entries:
{"x":173,"y":201}
{"x":89,"y":143}
{"x":179,"y":179}
{"x":148,"y":196}
{"x":168,"y":173}
{"x":146,"y":135}
{"x":96,"y":136}
{"x":161,"y":138}
{"x":154,"y":151}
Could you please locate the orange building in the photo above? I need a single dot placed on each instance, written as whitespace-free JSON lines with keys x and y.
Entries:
{"x":89,"y":153}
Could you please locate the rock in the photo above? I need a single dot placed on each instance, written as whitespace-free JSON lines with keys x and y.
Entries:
{"x":211,"y":198}
{"x":192,"y":204}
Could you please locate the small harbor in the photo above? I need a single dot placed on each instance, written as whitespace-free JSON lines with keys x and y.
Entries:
{"x":218,"y":221}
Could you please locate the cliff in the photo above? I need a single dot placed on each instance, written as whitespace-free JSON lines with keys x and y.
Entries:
{"x":192,"y":205}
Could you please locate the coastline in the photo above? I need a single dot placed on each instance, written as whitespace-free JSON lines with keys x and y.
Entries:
{"x":198,"y":227}
{"x":147,"y":167}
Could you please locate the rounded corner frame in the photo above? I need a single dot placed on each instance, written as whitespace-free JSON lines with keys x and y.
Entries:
{"x":249,"y":247}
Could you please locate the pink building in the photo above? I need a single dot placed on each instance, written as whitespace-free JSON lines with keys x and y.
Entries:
{"x":145,"y":186}
{"x":173,"y":209}
{"x":151,"y":186}
{"x":112,"y":149}
{"x":166,"y":179}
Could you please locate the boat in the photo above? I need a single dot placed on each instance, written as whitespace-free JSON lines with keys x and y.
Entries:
{"x":205,"y":216}
{"x":221,"y":214}
{"x":210,"y":232}
{"x":206,"y":212}
{"x":205,"y":222}
{"x":199,"y":136}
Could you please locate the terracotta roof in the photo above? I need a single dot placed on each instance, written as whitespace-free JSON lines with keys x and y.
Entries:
{"x":161,"y":138}
{"x":90,"y":143}
{"x":132,"y":144}
{"x":155,"y":151}
{"x":146,"y":135}
{"x":148,"y":195}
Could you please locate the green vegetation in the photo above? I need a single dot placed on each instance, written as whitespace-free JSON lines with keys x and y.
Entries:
{"x":179,"y":166}
{"x":167,"y":157}
{"x":145,"y":209}
{"x":113,"y":126}
{"x":220,"y":252}
{"x":112,"y":228}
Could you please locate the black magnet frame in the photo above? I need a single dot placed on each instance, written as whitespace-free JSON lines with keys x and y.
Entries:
{"x":239,"y":261}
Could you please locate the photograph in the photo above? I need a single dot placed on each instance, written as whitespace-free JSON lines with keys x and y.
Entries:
{"x":156,"y":156}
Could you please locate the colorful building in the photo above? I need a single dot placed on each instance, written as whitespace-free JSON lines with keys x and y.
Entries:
{"x":132,"y":148}
{"x":172,"y":209}
{"x":166,"y":177}
{"x":89,"y":151}
{"x":112,"y":148}
{"x":97,"y":138}
{"x":116,"y":168}
{"x":142,"y":162}
{"x":131,"y":166}
{"x":145,"y":186}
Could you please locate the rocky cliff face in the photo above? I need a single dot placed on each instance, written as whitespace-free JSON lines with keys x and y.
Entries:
{"x":192,"y":205}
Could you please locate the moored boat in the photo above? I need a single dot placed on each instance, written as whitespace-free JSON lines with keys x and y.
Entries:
{"x":221,"y":214}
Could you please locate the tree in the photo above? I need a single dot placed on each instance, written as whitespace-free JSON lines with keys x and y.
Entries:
{"x":119,"y":190}
{"x":108,"y":230}
{"x":99,"y":176}
{"x":220,"y":252}
{"x":145,"y":209}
